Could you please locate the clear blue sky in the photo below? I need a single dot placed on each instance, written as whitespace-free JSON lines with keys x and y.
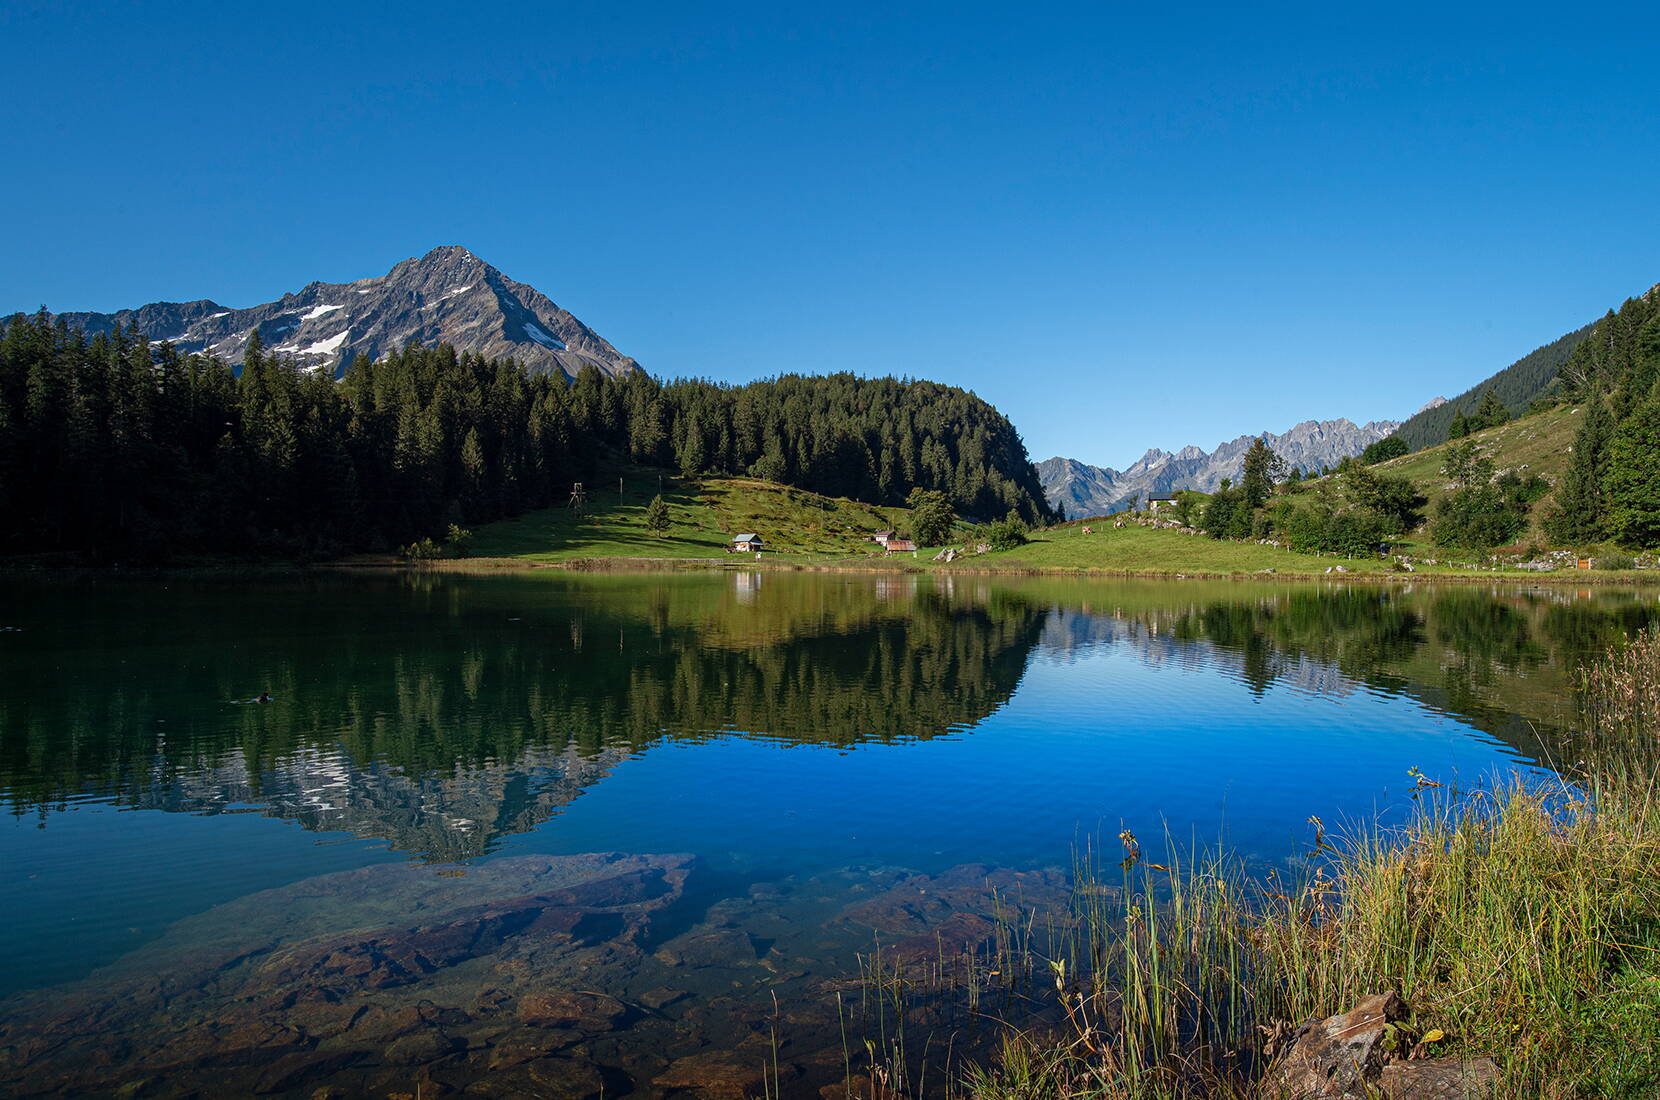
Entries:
{"x":1125,"y":225}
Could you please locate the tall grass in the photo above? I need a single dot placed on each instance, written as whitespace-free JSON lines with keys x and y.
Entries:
{"x":1520,"y":922}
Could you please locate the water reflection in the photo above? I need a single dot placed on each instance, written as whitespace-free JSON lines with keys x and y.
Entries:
{"x":441,"y":714}
{"x":655,"y":821}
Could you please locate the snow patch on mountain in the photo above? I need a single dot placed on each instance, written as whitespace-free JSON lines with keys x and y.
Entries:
{"x":329,"y":346}
{"x":540,"y":335}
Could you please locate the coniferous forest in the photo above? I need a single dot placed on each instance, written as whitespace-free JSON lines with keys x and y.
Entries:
{"x":114,"y":449}
{"x":1612,"y":487}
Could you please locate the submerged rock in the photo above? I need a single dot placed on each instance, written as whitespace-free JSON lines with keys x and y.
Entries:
{"x":722,"y":1075}
{"x":387,"y":966}
{"x":725,"y":947}
{"x":591,"y":1012}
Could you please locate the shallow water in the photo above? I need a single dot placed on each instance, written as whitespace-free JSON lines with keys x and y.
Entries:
{"x":383,"y":876}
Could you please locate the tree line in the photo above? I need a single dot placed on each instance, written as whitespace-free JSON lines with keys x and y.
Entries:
{"x":1612,"y":486}
{"x":114,"y":449}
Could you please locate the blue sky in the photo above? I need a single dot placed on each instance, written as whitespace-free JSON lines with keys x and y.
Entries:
{"x":1126,"y":226}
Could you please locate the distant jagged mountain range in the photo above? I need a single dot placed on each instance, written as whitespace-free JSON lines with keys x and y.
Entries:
{"x":1085,"y":490}
{"x":447,"y":296}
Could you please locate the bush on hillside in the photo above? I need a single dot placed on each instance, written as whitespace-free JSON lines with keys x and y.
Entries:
{"x":1007,"y":533}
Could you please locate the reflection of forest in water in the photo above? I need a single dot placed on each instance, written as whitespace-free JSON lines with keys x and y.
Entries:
{"x":1503,"y":660}
{"x":443,"y":713}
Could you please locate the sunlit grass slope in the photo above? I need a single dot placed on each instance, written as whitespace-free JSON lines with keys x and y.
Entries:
{"x":1538,"y":444}
{"x":1137,"y":549}
{"x":706,"y":514}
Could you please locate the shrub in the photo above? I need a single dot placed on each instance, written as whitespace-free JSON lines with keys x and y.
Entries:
{"x":1008,"y":533}
{"x":1615,"y":561}
{"x":422,"y":550}
{"x":458,"y":541}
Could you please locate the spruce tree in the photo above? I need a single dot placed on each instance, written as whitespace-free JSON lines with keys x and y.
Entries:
{"x":1490,"y":414}
{"x":1632,"y":481}
{"x":1580,"y":515}
{"x":657,"y":516}
{"x":1263,"y":468}
{"x":475,"y":476}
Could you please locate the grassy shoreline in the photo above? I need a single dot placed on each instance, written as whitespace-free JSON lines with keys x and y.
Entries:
{"x":1520,"y":922}
{"x":789,"y":563}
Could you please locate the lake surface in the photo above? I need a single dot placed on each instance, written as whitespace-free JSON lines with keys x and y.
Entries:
{"x":551,"y":834}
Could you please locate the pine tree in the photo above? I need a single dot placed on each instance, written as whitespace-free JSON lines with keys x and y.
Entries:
{"x":657,"y":516}
{"x":1490,"y":413}
{"x":1632,"y":481}
{"x":1263,"y":468}
{"x":1581,"y":514}
{"x":475,"y":478}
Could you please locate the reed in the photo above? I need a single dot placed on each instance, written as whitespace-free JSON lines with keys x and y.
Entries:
{"x":1521,"y":921}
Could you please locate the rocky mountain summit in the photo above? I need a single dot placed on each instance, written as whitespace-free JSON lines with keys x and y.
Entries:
{"x":1085,"y":490}
{"x":447,"y":296}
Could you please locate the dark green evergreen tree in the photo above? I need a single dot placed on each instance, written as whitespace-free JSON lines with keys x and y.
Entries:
{"x":1384,"y":450}
{"x":1632,"y":481}
{"x":657,"y":516}
{"x":1489,"y":414}
{"x":1263,"y":470}
{"x":1580,"y":515}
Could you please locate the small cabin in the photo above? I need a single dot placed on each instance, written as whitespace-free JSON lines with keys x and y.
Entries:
{"x":894,"y":546}
{"x":1155,"y":503}
{"x":744,"y":544}
{"x":883,"y":536}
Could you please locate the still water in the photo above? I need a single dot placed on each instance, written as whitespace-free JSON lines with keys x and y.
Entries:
{"x":553,"y":835}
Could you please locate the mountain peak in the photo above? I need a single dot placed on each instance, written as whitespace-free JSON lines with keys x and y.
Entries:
{"x":448,"y":295}
{"x":448,"y":255}
{"x":1085,"y":490}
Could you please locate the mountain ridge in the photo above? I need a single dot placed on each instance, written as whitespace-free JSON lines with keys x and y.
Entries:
{"x":1085,"y":490}
{"x":448,"y":295}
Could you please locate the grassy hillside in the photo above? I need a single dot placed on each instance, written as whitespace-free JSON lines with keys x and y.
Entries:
{"x":805,"y":528}
{"x":1539,"y":444}
{"x":706,"y":513}
{"x":1155,"y":551}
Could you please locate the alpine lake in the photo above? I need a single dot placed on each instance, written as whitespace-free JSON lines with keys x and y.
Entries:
{"x":705,"y":834}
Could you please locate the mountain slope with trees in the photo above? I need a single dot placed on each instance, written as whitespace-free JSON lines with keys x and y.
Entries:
{"x":113,"y":448}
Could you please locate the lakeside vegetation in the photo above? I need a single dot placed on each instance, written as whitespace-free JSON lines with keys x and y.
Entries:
{"x":1520,"y":922}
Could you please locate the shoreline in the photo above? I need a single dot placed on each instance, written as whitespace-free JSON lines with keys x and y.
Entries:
{"x":483,"y":565}
{"x":1648,"y":578}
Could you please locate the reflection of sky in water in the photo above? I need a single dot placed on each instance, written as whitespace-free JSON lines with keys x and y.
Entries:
{"x":1088,"y":743}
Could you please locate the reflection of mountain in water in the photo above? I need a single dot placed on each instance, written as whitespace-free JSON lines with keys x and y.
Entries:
{"x":445,"y":817}
{"x":445,"y":714}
